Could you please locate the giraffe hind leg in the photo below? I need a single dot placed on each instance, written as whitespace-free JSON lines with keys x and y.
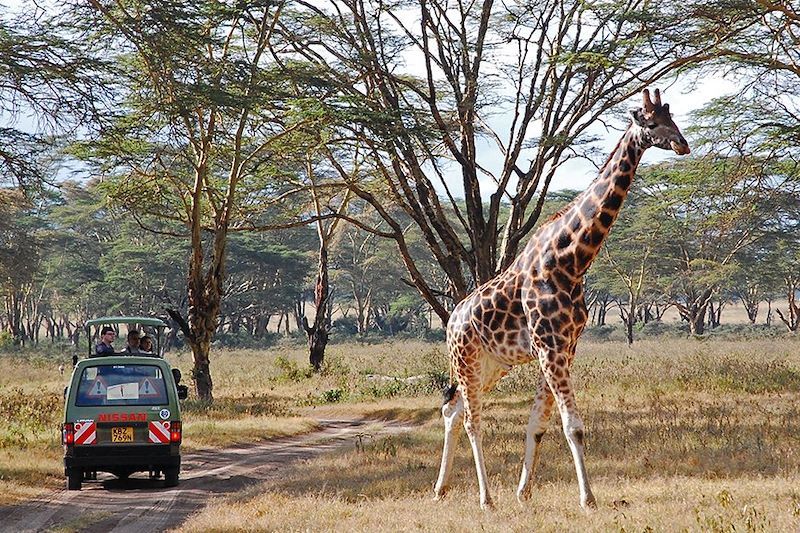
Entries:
{"x":472,"y":425}
{"x":537,"y":425}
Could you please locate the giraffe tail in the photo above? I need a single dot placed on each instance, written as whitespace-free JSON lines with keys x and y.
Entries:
{"x":449,"y":393}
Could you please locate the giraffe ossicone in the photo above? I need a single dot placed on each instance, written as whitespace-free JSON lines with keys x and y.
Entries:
{"x":535,"y":309}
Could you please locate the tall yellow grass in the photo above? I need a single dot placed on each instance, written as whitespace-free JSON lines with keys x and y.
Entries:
{"x":682,"y":434}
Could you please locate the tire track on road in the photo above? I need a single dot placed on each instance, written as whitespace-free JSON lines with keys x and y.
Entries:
{"x":139,"y":504}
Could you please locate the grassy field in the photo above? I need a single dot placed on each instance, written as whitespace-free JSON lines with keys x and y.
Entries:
{"x":683,"y":434}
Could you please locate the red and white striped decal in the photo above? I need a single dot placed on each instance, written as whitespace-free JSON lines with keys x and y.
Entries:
{"x":85,"y":432}
{"x":159,"y":432}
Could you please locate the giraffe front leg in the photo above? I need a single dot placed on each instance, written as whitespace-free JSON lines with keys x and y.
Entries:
{"x":537,"y":425}
{"x":555,"y":368}
{"x":452,"y":412}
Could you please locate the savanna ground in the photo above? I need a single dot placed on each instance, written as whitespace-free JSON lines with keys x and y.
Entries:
{"x":683,"y":434}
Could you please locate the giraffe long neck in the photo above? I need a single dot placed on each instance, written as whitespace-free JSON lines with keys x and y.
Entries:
{"x":575,"y":237}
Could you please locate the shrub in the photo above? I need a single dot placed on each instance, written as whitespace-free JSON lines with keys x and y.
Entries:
{"x":291,"y":371}
{"x":6,"y":341}
{"x":346,"y":326}
{"x":333,"y":395}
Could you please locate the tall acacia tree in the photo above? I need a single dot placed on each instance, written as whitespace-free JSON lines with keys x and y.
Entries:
{"x":44,"y":74}
{"x":711,"y":209}
{"x":192,"y":152}
{"x":482,"y":101}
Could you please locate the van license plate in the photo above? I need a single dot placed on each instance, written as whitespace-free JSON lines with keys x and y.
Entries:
{"x":124,"y":434}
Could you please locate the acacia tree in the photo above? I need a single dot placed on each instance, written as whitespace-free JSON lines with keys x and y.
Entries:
{"x":19,"y":260}
{"x":628,"y":255}
{"x":263,"y":279}
{"x":711,"y":208}
{"x":357,"y":265}
{"x":789,"y":268}
{"x":319,"y":330}
{"x":192,"y":152}
{"x":46,"y":74}
{"x":423,"y":85}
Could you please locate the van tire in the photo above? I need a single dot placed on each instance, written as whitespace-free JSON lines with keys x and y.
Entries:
{"x":74,"y":478}
{"x":171,"y":476}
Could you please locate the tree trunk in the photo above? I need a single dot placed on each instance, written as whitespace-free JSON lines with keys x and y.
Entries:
{"x":792,"y":321}
{"x":750,"y":300}
{"x":694,"y":311}
{"x":714,"y":314}
{"x":768,"y":320}
{"x":319,"y":330}
{"x":628,"y":316}
{"x":696,"y":317}
{"x":317,"y":341}
{"x":201,"y":373}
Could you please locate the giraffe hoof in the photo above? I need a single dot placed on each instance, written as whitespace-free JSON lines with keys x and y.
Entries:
{"x":589,"y":504}
{"x":438,"y":495}
{"x":524,"y":495}
{"x":488,"y":505}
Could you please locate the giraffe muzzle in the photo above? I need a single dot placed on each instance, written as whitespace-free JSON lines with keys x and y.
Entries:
{"x":680,"y":148}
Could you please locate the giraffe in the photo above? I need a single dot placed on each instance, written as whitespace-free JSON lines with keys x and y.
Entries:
{"x":535,"y":309}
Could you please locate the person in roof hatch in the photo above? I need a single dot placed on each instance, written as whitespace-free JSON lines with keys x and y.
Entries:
{"x":106,"y":344}
{"x":146,"y":344}
{"x":133,"y":343}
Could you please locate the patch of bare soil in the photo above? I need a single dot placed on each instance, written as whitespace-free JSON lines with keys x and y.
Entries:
{"x":140,"y":504}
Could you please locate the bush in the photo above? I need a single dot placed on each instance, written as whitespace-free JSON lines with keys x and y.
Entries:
{"x":657,"y":327}
{"x":7,"y":341}
{"x":291,"y":371}
{"x":600,"y":333}
{"x":333,"y":395}
{"x":746,"y":331}
{"x":346,"y":326}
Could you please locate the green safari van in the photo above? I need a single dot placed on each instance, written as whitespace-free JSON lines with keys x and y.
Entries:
{"x":122,"y":413}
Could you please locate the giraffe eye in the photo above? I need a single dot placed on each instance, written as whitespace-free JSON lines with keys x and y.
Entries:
{"x":652,"y":126}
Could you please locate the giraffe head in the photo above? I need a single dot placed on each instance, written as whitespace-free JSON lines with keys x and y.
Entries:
{"x":657,"y":126}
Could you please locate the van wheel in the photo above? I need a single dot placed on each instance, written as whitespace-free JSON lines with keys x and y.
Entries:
{"x":74,"y":478}
{"x":171,"y":476}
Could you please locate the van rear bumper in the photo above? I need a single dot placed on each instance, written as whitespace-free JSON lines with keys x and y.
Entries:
{"x":104,"y":457}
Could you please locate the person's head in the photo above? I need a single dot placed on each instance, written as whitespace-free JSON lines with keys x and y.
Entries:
{"x":146,"y":343}
{"x":107,"y":334}
{"x":133,"y":339}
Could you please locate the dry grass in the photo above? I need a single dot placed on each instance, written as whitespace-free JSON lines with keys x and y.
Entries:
{"x":682,"y":434}
{"x":659,"y":504}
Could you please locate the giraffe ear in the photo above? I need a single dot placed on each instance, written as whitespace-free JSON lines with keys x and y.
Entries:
{"x":638,"y":117}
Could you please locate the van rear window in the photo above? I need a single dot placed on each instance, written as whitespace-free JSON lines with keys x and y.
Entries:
{"x":121,"y":385}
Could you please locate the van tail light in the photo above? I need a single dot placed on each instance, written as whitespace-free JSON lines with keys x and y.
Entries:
{"x":175,"y":432}
{"x":68,"y":434}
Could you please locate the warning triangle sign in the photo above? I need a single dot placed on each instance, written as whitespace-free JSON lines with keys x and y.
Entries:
{"x":146,"y":388}
{"x":98,"y":388}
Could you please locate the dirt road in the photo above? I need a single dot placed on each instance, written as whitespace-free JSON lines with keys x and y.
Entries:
{"x":139,"y":504}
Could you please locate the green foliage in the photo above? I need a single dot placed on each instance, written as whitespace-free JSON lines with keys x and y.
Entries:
{"x":347,"y":326}
{"x":291,"y":371}
{"x":7,"y":341}
{"x":332,"y":396}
